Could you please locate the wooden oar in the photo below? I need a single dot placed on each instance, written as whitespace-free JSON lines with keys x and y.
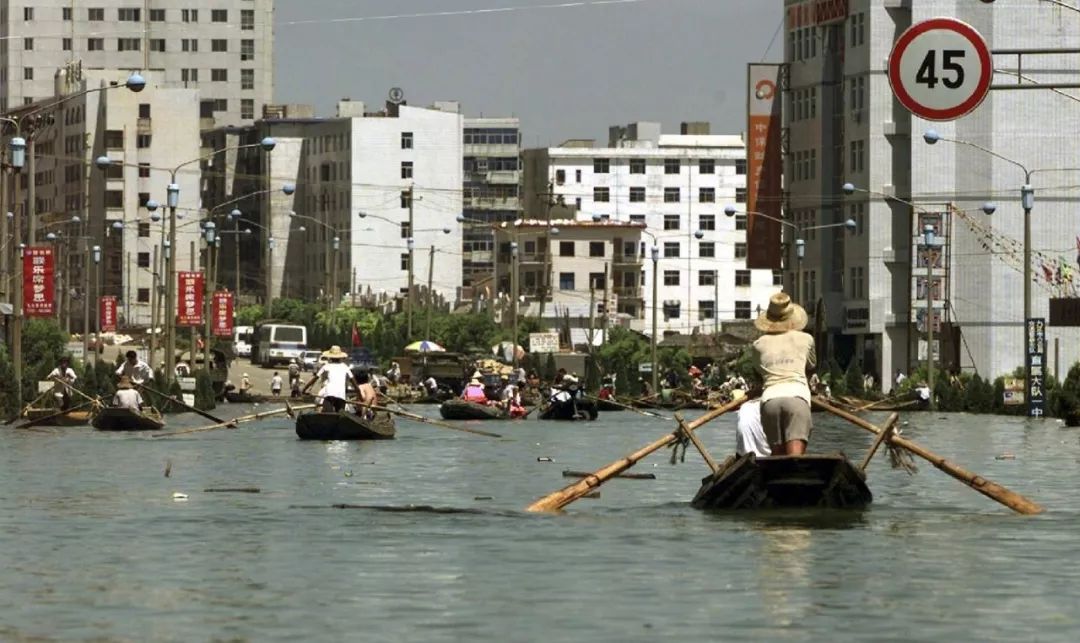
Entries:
{"x":84,"y":395}
{"x":27,"y":407}
{"x":49,"y":418}
{"x":988,"y":488}
{"x":181,"y":403}
{"x":421,"y":418}
{"x":628,"y":407}
{"x":232,"y":424}
{"x":570,"y":493}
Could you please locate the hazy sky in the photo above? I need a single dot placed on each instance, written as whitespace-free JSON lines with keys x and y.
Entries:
{"x":566,"y":72}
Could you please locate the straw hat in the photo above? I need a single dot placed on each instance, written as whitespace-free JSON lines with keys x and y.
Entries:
{"x":476,"y":375}
{"x":335,"y":352}
{"x":781,"y":315}
{"x":475,"y":382}
{"x":125,"y":382}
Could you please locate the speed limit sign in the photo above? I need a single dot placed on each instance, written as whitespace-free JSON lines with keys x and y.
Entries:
{"x":940,"y":69}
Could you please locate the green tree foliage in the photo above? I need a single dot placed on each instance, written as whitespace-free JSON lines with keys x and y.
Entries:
{"x":853,"y":379}
{"x":7,"y":385}
{"x":837,"y":381}
{"x":204,"y":391}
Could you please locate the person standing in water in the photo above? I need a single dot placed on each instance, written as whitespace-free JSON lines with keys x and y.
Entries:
{"x":783,"y":356}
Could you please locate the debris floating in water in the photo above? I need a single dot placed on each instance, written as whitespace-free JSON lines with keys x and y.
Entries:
{"x":1006,"y":456}
{"x":168,"y":467}
{"x":483,"y":498}
{"x":233,"y":490}
{"x":543,"y":459}
{"x":179,"y":497}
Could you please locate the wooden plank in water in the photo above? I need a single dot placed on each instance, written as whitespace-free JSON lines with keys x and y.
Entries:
{"x":628,"y":476}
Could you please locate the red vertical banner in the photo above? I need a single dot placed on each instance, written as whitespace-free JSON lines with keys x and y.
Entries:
{"x":764,"y":167}
{"x":222,"y":314}
{"x":107,"y":314}
{"x":39,"y":290}
{"x":189,"y":301}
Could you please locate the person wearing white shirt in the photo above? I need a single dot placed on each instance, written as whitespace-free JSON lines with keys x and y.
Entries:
{"x":126,"y":397}
{"x":135,"y":369}
{"x":62,"y":377}
{"x":335,"y":376}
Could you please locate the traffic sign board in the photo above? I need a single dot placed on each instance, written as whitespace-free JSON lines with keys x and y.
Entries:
{"x":940,"y":69}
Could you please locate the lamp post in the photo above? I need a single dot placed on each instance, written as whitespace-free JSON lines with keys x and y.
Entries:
{"x":17,"y":146}
{"x":655,"y":253}
{"x":800,"y":253}
{"x":210,"y":234}
{"x":514,"y":261}
{"x":928,"y":241}
{"x":96,"y":255}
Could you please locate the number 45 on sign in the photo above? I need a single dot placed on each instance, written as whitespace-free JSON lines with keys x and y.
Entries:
{"x":940,"y":69}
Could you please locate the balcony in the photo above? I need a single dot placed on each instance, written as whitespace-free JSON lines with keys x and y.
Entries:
{"x":492,"y":203}
{"x":143,"y":125}
{"x":624,"y":260}
{"x":628,"y":292}
{"x":502,"y":177}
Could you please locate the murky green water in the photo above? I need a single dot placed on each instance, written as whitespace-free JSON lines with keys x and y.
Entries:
{"x":95,"y":547}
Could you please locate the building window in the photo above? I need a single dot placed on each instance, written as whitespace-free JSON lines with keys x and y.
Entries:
{"x":740,"y":221}
{"x":706,"y":278}
{"x":596,"y":248}
{"x":672,"y":166}
{"x":637,"y":218}
{"x":601,"y":195}
{"x":144,"y":170}
{"x":406,"y":199}
{"x":406,"y":169}
{"x":858,"y":155}
{"x":219,"y":75}
{"x":566,"y":248}
{"x":601,"y":166}
{"x":28,"y":14}
{"x":777,"y":278}
{"x":189,"y":44}
{"x":742,"y":277}
{"x":157,"y":15}
{"x":247,"y":108}
{"x":144,"y":110}
{"x":67,"y":14}
{"x":28,"y":44}
{"x":144,"y":229}
{"x":114,"y":171}
{"x":404,"y":261}
{"x":406,"y":230}
{"x":577,"y":176}
{"x":114,"y":198}
{"x":247,"y":79}
{"x":740,"y":167}
{"x":637,"y":195}
{"x":742,"y":310}
{"x":142,"y":295}
{"x":157,"y":44}
{"x":671,"y":222}
{"x":671,"y":277}
{"x":28,"y":73}
{"x":189,"y":75}
{"x":707,"y":195}
{"x":247,"y":50}
{"x":671,"y":249}
{"x":707,"y":249}
{"x":114,"y":139}
{"x":596,"y":281}
{"x":143,"y":259}
{"x":247,"y":20}
{"x":707,"y":166}
{"x":566,"y":281}
{"x":66,"y":44}
{"x":219,"y":45}
{"x":189,"y":15}
{"x":128,"y":44}
{"x":637,"y":166}
{"x":95,"y":44}
{"x":219,"y":15}
{"x":129,"y":14}
{"x":142,"y":141}
{"x":740,"y":250}
{"x":95,"y":14}
{"x":740,"y":195}
{"x":560,"y":177}
{"x":707,"y":222}
{"x":707,"y":309}
{"x":672,"y":195}
{"x":406,"y":140}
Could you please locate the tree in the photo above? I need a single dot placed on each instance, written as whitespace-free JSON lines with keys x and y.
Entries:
{"x":853,"y":379}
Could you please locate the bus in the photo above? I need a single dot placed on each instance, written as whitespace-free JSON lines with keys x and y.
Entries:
{"x":243,"y":337}
{"x":278,"y":343}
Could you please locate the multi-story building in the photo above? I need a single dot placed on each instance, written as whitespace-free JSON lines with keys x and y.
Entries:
{"x":223,"y":48}
{"x":844,"y":125}
{"x":366,"y":183}
{"x":141,"y":133}
{"x":678,"y":186}
{"x":492,"y":148}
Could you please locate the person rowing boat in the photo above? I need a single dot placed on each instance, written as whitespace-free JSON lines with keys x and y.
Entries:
{"x":783,"y":356}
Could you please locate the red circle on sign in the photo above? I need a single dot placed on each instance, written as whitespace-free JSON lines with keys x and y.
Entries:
{"x":947,"y":24}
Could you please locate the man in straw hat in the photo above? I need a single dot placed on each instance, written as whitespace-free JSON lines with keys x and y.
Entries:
{"x":126,"y":396}
{"x":783,"y":356}
{"x":336,"y":376}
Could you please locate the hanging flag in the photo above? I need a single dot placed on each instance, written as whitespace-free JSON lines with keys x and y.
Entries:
{"x":356,"y":342}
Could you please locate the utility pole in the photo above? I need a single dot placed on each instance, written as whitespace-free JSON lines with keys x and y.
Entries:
{"x":154,"y":306}
{"x":545,"y":278}
{"x":515,"y":295}
{"x":31,"y":191}
{"x":411,"y":244}
{"x":604,"y":319}
{"x":430,"y":293}
{"x":928,"y":239}
{"x":716,"y":305}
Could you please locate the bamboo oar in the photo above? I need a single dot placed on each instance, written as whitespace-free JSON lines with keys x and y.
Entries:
{"x":629,"y":408}
{"x":49,"y":418}
{"x":27,"y":408}
{"x":884,"y":433}
{"x":988,"y":488}
{"x":232,"y":424}
{"x":70,"y":386}
{"x":421,"y":418}
{"x":181,"y":403}
{"x":559,"y":499}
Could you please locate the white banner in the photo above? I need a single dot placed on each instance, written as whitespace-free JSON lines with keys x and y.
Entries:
{"x":543,"y":342}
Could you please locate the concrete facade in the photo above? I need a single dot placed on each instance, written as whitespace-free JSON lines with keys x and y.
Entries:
{"x":838,"y":103}
{"x":223,"y":48}
{"x":677,"y":185}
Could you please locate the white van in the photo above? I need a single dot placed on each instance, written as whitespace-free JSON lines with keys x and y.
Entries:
{"x":279,"y":343}
{"x":243,"y":336}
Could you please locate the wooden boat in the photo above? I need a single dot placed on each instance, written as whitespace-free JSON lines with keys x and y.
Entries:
{"x":609,"y":405}
{"x":458,"y":409}
{"x":121,"y":419}
{"x":579,"y":410}
{"x":749,"y":482}
{"x":56,"y":417}
{"x":344,"y":426}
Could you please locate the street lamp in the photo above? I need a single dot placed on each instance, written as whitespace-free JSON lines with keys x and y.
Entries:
{"x":514,"y":303}
{"x":655,"y":253}
{"x":95,"y":254}
{"x":928,"y":242}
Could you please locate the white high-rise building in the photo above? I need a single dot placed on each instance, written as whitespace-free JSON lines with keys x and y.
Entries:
{"x":223,"y":48}
{"x":678,"y":186}
{"x":844,"y":125}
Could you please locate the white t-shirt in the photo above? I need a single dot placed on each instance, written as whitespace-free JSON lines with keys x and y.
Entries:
{"x":275,"y":382}
{"x":128,"y":398}
{"x":750,"y":436}
{"x":139,"y":372}
{"x":67,"y":374}
{"x":335,"y":377}
{"x":924,"y":393}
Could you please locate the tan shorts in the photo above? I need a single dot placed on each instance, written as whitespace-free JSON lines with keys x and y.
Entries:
{"x":786,"y":419}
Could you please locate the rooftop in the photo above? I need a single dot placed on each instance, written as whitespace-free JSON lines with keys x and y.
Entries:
{"x":572,"y":223}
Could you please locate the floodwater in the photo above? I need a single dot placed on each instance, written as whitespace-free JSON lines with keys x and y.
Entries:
{"x":435,"y":546}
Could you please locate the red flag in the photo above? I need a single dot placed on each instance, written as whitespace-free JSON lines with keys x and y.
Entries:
{"x":356,"y":337}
